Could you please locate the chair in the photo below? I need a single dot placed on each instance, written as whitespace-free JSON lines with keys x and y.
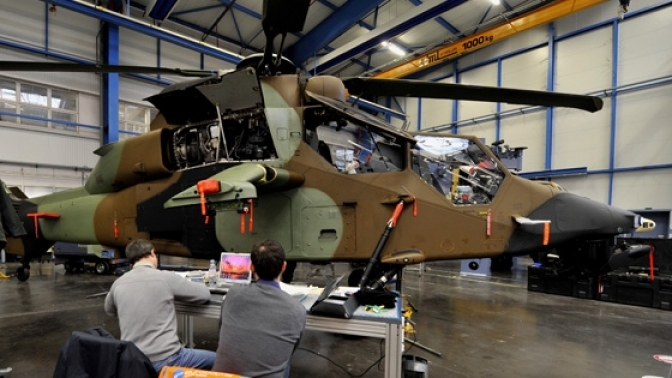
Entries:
{"x":96,"y":353}
{"x":184,"y":372}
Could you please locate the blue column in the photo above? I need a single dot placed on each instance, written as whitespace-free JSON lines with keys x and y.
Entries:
{"x":550,"y":86}
{"x":614,"y":103}
{"x":110,"y":90}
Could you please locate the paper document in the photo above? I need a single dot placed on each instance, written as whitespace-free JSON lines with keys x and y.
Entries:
{"x":297,"y":291}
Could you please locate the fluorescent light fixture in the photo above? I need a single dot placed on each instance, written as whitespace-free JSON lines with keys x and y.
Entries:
{"x":495,"y":2}
{"x":394,"y":48}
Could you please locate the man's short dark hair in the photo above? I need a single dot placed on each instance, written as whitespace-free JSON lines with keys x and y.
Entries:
{"x":268,"y":257}
{"x":138,"y":249}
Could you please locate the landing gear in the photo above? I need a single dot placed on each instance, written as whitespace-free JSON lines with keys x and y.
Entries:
{"x":69,"y":266}
{"x":101,"y":267}
{"x":23,"y":272}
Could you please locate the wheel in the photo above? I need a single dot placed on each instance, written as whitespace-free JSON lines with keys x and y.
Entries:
{"x":23,"y":273}
{"x":69,"y":266}
{"x":101,"y":267}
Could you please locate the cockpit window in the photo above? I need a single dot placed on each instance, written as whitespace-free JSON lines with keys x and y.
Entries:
{"x":353,"y":149}
{"x":458,"y":168}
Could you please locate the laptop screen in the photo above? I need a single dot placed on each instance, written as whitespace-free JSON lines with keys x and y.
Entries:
{"x":235,"y":268}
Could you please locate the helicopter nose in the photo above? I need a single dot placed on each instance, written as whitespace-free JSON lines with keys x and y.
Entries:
{"x":572,"y":215}
{"x":576,"y":214}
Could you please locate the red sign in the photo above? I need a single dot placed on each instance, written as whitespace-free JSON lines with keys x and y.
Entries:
{"x":663,"y":358}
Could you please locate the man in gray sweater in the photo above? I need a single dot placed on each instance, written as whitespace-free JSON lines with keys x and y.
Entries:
{"x":143,"y":299}
{"x":261,"y":325}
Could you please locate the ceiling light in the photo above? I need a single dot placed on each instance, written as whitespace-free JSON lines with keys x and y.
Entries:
{"x":394,"y":48}
{"x":495,"y":2}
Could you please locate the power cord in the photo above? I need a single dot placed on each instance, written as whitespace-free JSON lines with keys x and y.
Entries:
{"x":377,"y":362}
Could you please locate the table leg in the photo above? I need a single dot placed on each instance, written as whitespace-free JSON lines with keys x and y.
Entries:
{"x":394,"y":341}
{"x":187,"y":322}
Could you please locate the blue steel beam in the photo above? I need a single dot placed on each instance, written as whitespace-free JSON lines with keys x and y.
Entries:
{"x":110,"y":90}
{"x":198,"y":28}
{"x":362,"y":45}
{"x":442,"y":21}
{"x":144,"y":28}
{"x":333,"y":26}
{"x":335,"y":8}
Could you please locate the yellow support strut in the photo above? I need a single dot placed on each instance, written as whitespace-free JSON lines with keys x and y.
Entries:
{"x":485,"y":38}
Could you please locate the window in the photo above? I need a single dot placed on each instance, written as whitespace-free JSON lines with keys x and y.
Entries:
{"x":38,"y":105}
{"x":134,"y":119}
{"x":458,"y":168}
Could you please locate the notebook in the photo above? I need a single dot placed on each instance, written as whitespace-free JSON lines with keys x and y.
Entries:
{"x":334,"y":305}
{"x":234,"y":269}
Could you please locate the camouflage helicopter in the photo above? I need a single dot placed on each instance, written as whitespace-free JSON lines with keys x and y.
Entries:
{"x":265,"y":152}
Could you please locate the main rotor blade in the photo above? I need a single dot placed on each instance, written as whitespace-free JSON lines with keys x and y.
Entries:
{"x":417,"y":88}
{"x":97,"y":68}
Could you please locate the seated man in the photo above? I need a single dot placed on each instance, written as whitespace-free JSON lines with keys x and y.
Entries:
{"x":143,"y":299}
{"x":261,"y":325}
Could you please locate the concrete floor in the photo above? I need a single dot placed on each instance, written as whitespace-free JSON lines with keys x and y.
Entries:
{"x":482,"y":326}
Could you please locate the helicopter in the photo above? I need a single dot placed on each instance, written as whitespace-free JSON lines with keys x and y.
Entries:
{"x":266,"y":152}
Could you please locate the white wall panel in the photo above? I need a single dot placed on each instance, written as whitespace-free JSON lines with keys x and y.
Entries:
{"x":645,"y":48}
{"x":485,"y":75}
{"x":132,"y":90}
{"x":14,"y":18}
{"x":210,"y":63}
{"x":528,"y":130}
{"x":72,"y":33}
{"x":581,"y":139}
{"x":644,"y":133}
{"x":412,"y":108}
{"x":588,"y":17}
{"x":174,"y":56}
{"x":136,"y":48}
{"x":584,"y":62}
{"x":483,"y":130}
{"x":595,"y":187}
{"x":37,"y":181}
{"x":28,"y":146}
{"x":83,"y":82}
{"x":525,"y":71}
{"x":89,"y":111}
{"x":436,"y":112}
{"x":640,"y":189}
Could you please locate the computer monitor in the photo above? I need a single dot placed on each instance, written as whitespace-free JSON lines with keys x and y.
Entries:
{"x":234,"y":268}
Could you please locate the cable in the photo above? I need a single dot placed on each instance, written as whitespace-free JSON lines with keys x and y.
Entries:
{"x":342,"y":368}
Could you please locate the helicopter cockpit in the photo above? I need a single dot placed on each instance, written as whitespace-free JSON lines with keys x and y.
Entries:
{"x":352,"y":140}
{"x":458,"y":168}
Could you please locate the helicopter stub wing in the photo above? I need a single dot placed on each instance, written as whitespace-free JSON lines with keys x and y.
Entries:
{"x":236,"y":184}
{"x":424,"y":89}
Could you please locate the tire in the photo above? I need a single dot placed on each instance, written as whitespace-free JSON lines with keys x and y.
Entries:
{"x":23,"y":274}
{"x":101,"y":267}
{"x":69,"y":266}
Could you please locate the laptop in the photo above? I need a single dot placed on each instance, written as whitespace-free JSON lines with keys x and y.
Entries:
{"x":335,"y":306}
{"x":234,"y":269}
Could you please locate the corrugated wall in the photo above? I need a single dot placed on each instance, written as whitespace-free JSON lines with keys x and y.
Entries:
{"x":584,"y":57}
